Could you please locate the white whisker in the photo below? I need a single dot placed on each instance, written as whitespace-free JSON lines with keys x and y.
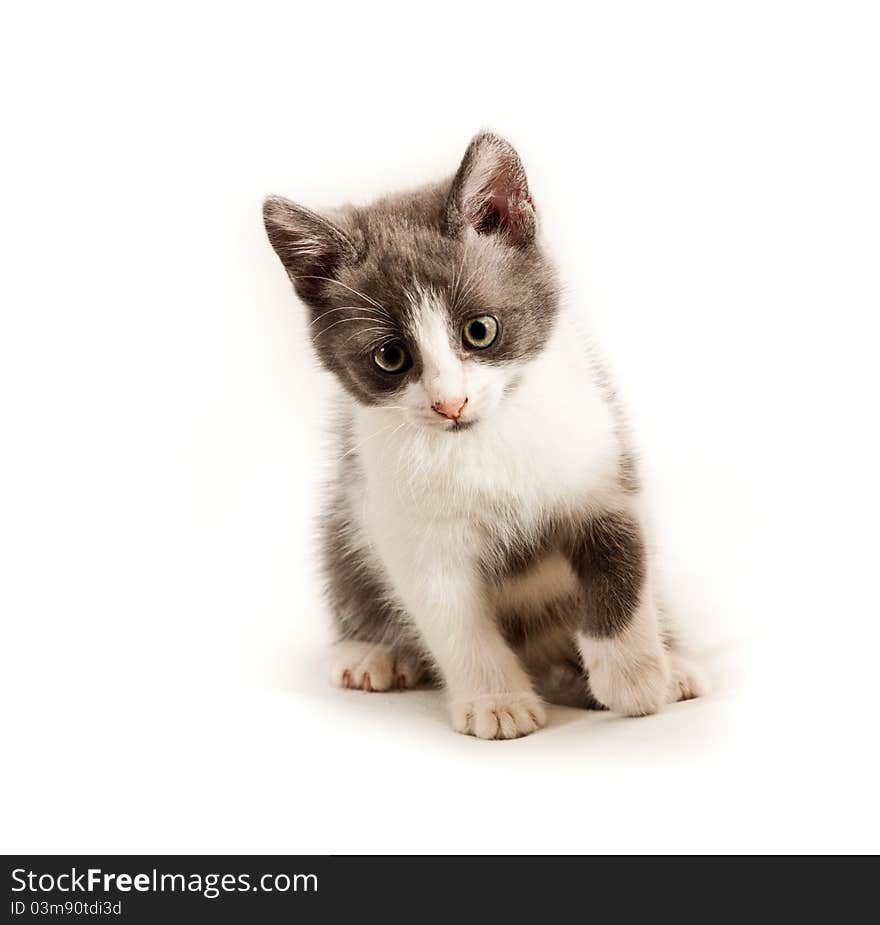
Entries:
{"x":376,"y":340}
{"x":329,"y":279}
{"x":457,"y":278}
{"x":469,"y":285}
{"x":343,"y":321}
{"x":381,"y":430}
{"x":343,"y":308}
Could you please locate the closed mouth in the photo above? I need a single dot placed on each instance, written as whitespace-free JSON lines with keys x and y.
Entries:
{"x":460,"y":425}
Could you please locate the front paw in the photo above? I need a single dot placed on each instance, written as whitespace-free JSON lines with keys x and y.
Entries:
{"x":499,"y":716}
{"x":635,"y":685}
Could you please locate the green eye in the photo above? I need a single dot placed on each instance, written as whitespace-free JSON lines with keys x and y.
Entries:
{"x":480,"y":333}
{"x":392,"y":357}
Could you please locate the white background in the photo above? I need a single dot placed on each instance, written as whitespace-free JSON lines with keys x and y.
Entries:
{"x":708,"y":174}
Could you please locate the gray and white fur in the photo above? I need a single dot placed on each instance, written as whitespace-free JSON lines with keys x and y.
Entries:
{"x":485,"y":527}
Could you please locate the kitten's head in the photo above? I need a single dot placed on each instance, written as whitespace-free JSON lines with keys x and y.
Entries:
{"x":429,"y":302}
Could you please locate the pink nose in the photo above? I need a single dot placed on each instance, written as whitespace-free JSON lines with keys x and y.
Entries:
{"x":451,"y":409}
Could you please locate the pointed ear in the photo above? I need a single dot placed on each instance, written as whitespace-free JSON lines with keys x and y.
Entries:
{"x":491,"y":194}
{"x":311,"y":247}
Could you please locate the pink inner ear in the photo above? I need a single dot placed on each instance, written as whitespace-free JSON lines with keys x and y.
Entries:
{"x":504,"y":203}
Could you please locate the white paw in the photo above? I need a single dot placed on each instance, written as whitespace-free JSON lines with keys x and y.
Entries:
{"x":686,"y":682}
{"x":634,"y":685}
{"x":499,"y":716}
{"x":370,"y":666}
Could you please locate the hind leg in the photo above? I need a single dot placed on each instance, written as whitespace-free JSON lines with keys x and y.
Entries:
{"x":543,"y":638}
{"x":567,"y":685}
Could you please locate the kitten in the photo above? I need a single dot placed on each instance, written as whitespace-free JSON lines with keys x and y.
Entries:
{"x":485,"y":526}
